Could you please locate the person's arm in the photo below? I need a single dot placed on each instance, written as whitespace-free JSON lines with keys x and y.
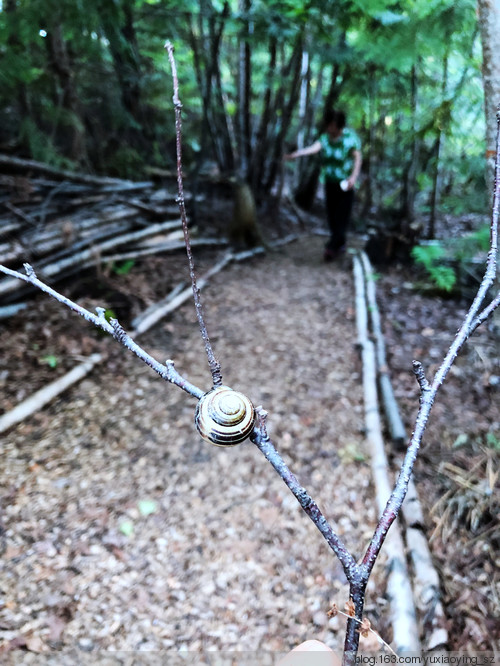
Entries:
{"x":302,"y":152}
{"x":355,"y":170}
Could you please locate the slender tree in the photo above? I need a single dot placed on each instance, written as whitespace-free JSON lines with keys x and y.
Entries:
{"x":489,"y":25}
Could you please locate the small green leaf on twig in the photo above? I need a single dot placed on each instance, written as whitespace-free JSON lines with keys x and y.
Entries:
{"x":109,"y":314}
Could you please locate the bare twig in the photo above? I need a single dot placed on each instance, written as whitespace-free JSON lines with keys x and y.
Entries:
{"x":112,"y":327}
{"x":264,"y":444}
{"x":213,"y":363}
{"x":428,"y":393}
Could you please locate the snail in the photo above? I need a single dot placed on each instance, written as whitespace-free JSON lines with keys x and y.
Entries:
{"x":224,"y":417}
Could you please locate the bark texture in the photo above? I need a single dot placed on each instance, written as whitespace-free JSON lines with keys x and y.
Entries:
{"x":489,"y":25}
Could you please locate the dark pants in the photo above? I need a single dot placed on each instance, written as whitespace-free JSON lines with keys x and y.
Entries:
{"x":338,"y":213}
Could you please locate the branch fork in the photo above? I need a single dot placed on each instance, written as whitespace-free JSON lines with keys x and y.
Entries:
{"x":357,"y":573}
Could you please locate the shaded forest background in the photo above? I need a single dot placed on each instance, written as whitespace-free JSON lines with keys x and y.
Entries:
{"x":86,"y":85}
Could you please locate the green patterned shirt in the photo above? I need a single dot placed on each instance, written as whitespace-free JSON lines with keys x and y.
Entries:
{"x":337,"y":155}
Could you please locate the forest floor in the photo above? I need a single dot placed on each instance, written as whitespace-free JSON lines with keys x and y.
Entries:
{"x":122,"y":530}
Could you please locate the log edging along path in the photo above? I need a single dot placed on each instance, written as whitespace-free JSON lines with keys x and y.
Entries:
{"x":426,"y":584}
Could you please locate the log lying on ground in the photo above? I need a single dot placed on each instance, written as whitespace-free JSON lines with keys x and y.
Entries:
{"x":425,"y":577}
{"x":426,"y":584}
{"x":399,"y":591}
{"x":89,"y":256}
{"x":174,"y":300}
{"x":46,"y":221}
{"x":141,"y":324}
{"x":41,"y":398}
{"x":395,"y":423}
{"x":28,"y":166}
{"x":46,"y":394}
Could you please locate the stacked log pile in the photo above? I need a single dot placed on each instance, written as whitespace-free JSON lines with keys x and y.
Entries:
{"x":62,"y":223}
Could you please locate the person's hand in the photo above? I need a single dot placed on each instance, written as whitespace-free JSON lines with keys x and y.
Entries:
{"x":299,"y":657}
{"x":288,"y":157}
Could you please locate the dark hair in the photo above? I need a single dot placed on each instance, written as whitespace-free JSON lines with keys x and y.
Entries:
{"x":332,"y":116}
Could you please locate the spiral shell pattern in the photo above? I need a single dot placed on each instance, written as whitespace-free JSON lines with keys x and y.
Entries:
{"x":224,"y":417}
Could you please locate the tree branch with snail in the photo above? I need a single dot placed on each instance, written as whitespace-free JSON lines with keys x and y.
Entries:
{"x":226,"y":417}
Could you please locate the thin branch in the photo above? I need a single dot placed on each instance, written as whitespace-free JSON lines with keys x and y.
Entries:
{"x":261,"y":439}
{"x":422,"y":380}
{"x":112,"y":327}
{"x":213,"y":363}
{"x":482,"y":316}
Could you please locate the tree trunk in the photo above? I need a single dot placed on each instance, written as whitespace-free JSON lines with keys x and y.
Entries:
{"x":262,"y":137}
{"x":305,"y":81}
{"x":118,"y":24}
{"x":410,"y":180}
{"x":286,"y":109}
{"x":431,"y":232}
{"x":245,"y":74}
{"x":369,"y":152}
{"x":61,"y":65}
{"x":489,"y":25}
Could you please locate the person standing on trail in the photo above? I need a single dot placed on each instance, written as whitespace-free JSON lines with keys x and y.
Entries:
{"x":340,"y":150}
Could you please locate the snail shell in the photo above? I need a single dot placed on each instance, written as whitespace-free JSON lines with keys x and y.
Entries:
{"x":224,"y":417}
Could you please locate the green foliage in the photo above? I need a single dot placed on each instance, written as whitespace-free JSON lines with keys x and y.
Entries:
{"x":123,"y":268}
{"x":443,"y":261}
{"x":126,"y":527}
{"x":493,"y":442}
{"x":126,"y":162}
{"x":41,"y":145}
{"x":147,"y":507}
{"x":475,"y":243}
{"x":443,"y":277}
{"x":120,"y":85}
{"x":109,"y":314}
{"x":50,"y":360}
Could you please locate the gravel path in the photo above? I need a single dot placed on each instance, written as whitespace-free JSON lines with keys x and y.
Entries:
{"x":124,"y":531}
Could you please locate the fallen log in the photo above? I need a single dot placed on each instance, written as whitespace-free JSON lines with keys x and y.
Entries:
{"x":46,"y":394}
{"x":159,"y":248}
{"x":40,"y":398}
{"x":73,"y":261}
{"x":149,"y":320}
{"x":59,"y":233}
{"x":425,"y":577}
{"x":394,"y":421}
{"x":142,"y":323}
{"x":399,"y":592}
{"x":23,"y":165}
{"x":7,"y":311}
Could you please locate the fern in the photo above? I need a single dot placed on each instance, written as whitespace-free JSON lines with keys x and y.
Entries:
{"x":443,"y":277}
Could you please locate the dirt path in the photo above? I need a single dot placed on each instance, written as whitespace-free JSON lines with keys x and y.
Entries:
{"x":123,"y":530}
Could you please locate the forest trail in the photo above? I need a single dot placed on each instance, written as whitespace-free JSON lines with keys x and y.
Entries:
{"x":124,"y":530}
{"x":219,"y":554}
